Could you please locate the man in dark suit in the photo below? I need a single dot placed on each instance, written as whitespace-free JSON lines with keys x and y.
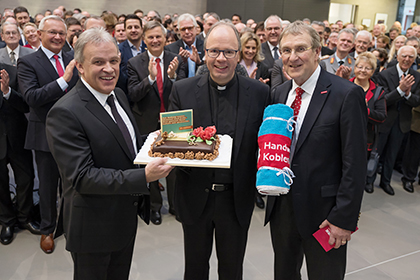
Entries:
{"x":13,"y":125}
{"x":94,"y":139}
{"x":402,"y":93}
{"x":209,"y":20}
{"x":219,"y":202}
{"x":44,"y":77}
{"x":362,"y":43}
{"x":22,"y":18}
{"x":319,"y":27}
{"x":328,"y":158}
{"x":74,"y":27}
{"x":270,"y":48}
{"x":149,"y":91}
{"x":131,"y":47}
{"x":188,"y":47}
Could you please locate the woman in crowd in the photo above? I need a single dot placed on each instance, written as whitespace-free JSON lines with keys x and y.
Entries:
{"x":31,"y":34}
{"x":396,"y":45}
{"x":364,"y":68}
{"x":251,"y":57}
{"x":382,"y":56}
{"x":171,"y":37}
{"x":383,"y":42}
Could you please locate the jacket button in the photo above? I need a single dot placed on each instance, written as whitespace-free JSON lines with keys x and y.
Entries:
{"x":206,"y":190}
{"x":135,"y":203}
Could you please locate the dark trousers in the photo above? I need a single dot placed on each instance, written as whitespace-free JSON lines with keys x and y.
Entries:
{"x":218,"y":220}
{"x":411,"y":158}
{"x":48,"y":182}
{"x":100,"y":266}
{"x":289,"y":248}
{"x":388,"y":146}
{"x":156,"y":196}
{"x":22,"y":166}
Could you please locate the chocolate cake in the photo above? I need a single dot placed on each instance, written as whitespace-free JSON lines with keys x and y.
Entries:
{"x":165,"y":147}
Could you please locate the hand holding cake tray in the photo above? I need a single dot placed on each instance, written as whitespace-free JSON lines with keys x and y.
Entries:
{"x":185,"y":146}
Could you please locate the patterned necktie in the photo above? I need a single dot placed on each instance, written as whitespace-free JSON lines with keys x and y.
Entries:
{"x":13,"y":58}
{"x":159,"y":82}
{"x":121,"y":125}
{"x":297,"y":102}
{"x":276,"y":55}
{"x":58,"y":66}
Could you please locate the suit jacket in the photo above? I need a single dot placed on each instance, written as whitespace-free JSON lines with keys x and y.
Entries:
{"x":395,"y":61}
{"x":193,"y":184}
{"x":126,"y":54}
{"x":175,"y":46}
{"x":38,"y":85}
{"x":331,"y":64}
{"x":329,"y":159}
{"x":277,"y":75}
{"x":101,"y":186}
{"x":398,"y":108}
{"x":269,"y":60}
{"x":5,"y":58}
{"x":326,"y":51}
{"x":145,"y":97}
{"x":13,"y":122}
{"x":67,"y":47}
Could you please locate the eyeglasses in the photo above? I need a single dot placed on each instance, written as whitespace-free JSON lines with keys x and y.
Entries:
{"x":213,"y":53}
{"x":8,"y":33}
{"x":54,"y":33}
{"x":298,"y":51}
{"x":185,"y":28}
{"x":364,"y":68}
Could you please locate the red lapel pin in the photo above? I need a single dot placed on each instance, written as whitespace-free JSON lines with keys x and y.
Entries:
{"x":325,"y":91}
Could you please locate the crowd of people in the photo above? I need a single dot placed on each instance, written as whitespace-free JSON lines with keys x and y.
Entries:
{"x":81,"y":91}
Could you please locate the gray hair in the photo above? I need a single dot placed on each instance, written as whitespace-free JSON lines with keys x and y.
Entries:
{"x":95,"y":36}
{"x":8,"y":23}
{"x":299,"y":28}
{"x":275,"y":17}
{"x":216,"y":16}
{"x":51,"y":17}
{"x":348,"y":31}
{"x":98,"y":18}
{"x":221,"y":24}
{"x":187,"y":16}
{"x":320,"y":23}
{"x":411,"y":47}
{"x":153,"y":24}
{"x":364,"y":32}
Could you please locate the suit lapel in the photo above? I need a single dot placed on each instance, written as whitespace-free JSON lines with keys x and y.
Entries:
{"x":395,"y":79}
{"x":203,"y":102}
{"x":45,"y":63}
{"x":102,"y":115}
{"x":241,"y":115}
{"x":320,"y":95}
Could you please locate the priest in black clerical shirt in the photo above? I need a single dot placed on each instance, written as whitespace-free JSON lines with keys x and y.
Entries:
{"x":219,"y":202}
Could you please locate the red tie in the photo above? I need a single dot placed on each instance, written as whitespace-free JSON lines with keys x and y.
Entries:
{"x":58,"y":66}
{"x":297,"y":102}
{"x":160,"y":84}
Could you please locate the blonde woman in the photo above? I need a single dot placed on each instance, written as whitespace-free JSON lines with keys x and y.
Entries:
{"x":251,"y":57}
{"x":395,"y":46}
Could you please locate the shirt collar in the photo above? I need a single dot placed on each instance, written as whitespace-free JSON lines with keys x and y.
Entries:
{"x":160,"y":56}
{"x":185,"y":45}
{"x":50,"y":53}
{"x":15,"y":50}
{"x":400,"y":72}
{"x":310,"y":84}
{"x":101,"y":97}
{"x":271,"y":46}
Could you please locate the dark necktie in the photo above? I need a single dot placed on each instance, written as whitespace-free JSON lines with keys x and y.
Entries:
{"x":276,"y":55}
{"x":340,"y":62}
{"x":58,"y":66}
{"x":121,"y":125}
{"x":160,"y":84}
{"x":13,"y":58}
